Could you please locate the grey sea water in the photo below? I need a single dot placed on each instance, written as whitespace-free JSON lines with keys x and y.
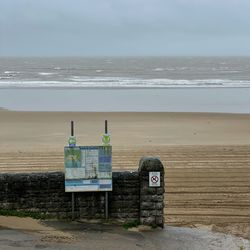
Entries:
{"x":194,"y":84}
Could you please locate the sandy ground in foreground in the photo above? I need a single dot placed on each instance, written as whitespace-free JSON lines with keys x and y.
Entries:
{"x":206,"y":156}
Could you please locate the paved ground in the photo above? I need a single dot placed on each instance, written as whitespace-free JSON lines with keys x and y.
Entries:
{"x":55,"y":235}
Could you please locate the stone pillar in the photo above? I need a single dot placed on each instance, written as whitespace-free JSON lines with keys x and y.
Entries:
{"x":151,"y":198}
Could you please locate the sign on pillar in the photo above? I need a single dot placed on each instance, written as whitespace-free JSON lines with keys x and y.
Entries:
{"x":154,"y":179}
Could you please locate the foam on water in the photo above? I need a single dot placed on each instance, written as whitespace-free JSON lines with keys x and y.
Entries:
{"x":158,"y":69}
{"x":120,"y":82}
{"x":45,"y":73}
{"x":11,"y":72}
{"x":209,"y":84}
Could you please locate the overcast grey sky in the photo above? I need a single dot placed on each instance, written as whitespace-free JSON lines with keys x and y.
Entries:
{"x":124,"y":27}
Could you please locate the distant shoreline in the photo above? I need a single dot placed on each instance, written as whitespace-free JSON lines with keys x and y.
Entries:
{"x":122,"y":88}
{"x":129,"y":112}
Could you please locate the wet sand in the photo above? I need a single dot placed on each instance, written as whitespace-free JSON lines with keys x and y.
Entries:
{"x":26,"y":233}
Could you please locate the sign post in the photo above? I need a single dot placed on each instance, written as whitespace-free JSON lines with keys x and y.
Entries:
{"x":106,"y":136}
{"x":88,"y":168}
{"x":72,"y":143}
{"x":106,"y":193}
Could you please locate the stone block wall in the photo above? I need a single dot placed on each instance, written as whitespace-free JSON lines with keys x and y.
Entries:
{"x":123,"y":200}
{"x":131,"y":198}
{"x":36,"y":192}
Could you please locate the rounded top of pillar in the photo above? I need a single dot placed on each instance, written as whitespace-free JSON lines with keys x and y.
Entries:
{"x":150,"y":163}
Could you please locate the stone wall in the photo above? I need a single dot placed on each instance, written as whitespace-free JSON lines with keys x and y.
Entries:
{"x":131,"y":198}
{"x":151,"y":198}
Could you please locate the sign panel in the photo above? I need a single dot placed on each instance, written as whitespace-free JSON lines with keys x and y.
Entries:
{"x":154,"y":179}
{"x":88,"y":168}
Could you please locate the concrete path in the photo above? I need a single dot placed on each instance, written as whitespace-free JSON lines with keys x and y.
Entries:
{"x":55,"y":235}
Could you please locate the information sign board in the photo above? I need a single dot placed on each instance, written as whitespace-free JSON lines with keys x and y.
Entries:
{"x":88,"y":168}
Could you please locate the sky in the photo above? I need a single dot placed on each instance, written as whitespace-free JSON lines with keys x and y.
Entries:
{"x":124,"y":27}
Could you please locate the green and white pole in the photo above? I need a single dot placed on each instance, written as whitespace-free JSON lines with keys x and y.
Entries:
{"x":72,"y":138}
{"x":106,"y":136}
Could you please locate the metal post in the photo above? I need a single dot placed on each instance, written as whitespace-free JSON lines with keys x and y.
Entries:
{"x":106,"y":193}
{"x":72,"y":128}
{"x":106,"y":206}
{"x":106,"y":126}
{"x":73,"y":205}
{"x":72,"y":194}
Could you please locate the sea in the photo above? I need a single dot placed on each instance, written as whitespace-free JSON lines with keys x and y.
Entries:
{"x":119,"y":84}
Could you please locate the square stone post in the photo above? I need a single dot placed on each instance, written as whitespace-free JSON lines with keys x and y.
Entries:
{"x":151,"y":197}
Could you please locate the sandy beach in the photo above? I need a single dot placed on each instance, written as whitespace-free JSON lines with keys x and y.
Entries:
{"x":206,"y":156}
{"x":172,"y":78}
{"x":46,"y":131}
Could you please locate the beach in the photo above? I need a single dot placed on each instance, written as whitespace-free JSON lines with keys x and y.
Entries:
{"x":206,"y":156}
{"x":161,"y":82}
{"x":49,"y":131}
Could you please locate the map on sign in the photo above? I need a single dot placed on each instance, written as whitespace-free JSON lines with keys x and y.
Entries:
{"x":88,"y":168}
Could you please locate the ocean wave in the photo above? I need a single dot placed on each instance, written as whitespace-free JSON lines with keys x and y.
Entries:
{"x":164,"y":69}
{"x":5,"y":77}
{"x":46,"y":73}
{"x":118,"y":82}
{"x":158,"y":69}
{"x":11,"y":72}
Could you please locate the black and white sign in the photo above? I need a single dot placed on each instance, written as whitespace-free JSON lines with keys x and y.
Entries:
{"x":154,"y":179}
